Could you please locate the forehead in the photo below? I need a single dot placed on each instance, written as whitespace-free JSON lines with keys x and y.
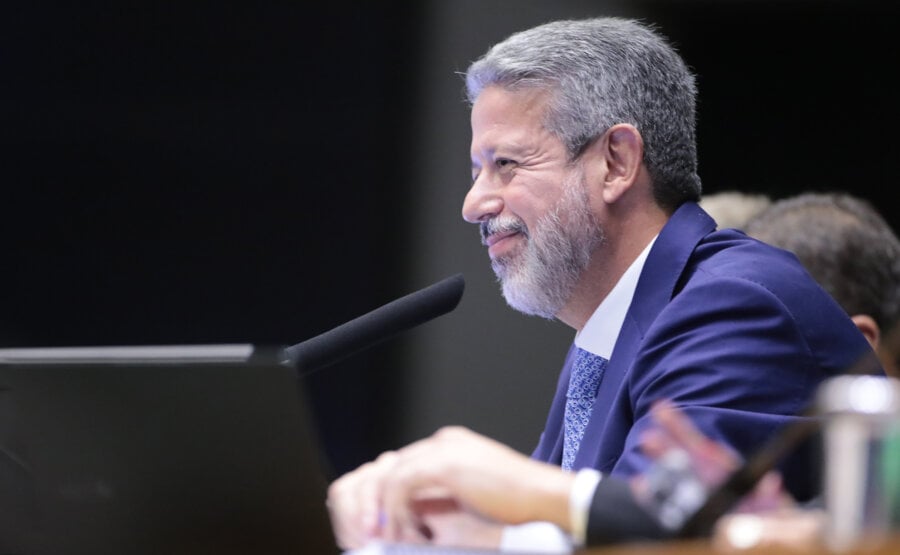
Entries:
{"x":510,"y":117}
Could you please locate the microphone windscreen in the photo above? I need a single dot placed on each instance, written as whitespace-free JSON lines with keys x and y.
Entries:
{"x":376,"y":326}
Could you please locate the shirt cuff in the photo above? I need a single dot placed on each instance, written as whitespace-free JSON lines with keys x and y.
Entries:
{"x":580,"y":498}
{"x":535,"y":537}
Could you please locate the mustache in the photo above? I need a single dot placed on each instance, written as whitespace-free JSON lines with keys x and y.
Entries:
{"x":501,"y":225}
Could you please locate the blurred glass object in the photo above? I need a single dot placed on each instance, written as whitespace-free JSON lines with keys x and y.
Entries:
{"x":861,"y":440}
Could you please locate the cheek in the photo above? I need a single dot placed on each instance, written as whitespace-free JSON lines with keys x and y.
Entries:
{"x":523,"y":206}
{"x":530,"y":201}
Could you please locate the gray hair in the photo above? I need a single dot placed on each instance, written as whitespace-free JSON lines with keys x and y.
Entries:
{"x":602,"y":72}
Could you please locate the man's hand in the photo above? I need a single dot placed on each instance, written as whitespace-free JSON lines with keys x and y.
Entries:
{"x":710,"y":462}
{"x":454,"y":486}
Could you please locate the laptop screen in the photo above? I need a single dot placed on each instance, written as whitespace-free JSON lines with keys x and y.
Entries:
{"x":161,"y":449}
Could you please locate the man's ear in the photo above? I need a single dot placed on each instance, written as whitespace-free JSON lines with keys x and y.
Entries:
{"x":869,"y":328}
{"x":621,"y":151}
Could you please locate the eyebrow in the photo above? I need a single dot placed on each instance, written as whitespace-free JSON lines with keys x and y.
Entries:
{"x":509,"y":150}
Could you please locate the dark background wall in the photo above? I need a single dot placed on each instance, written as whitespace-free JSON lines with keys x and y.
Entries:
{"x":206,"y":172}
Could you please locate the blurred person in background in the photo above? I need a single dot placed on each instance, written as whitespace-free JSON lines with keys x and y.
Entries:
{"x":733,"y":209}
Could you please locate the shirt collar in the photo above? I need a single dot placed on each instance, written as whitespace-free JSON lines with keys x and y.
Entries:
{"x":601,"y":331}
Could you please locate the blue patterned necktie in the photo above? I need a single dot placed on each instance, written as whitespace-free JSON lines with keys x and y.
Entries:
{"x":587,"y":371}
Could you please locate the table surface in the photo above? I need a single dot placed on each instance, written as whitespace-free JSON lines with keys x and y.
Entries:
{"x":889,"y":546}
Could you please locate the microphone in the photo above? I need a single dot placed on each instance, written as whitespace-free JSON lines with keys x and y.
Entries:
{"x":376,"y":326}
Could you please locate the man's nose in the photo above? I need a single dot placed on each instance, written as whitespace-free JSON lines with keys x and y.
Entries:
{"x":483,"y":201}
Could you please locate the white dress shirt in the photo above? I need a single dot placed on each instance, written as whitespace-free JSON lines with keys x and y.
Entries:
{"x":598,"y":336}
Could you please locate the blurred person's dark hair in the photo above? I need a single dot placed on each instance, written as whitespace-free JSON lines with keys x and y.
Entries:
{"x":848,"y":247}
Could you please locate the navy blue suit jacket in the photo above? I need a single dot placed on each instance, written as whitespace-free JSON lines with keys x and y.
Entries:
{"x":733,"y":331}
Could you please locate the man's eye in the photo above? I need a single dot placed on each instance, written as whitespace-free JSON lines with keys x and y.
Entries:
{"x":505,"y":163}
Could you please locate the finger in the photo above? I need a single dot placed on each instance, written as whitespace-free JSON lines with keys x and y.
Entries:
{"x":402,"y":522}
{"x":354,"y":501}
{"x":655,"y":443}
{"x":702,"y":449}
{"x":435,"y":505}
{"x":342,"y":509}
{"x":675,"y":423}
{"x":420,"y":476}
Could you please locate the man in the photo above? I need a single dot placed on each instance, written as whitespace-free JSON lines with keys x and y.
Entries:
{"x":851,"y":251}
{"x":584,"y":190}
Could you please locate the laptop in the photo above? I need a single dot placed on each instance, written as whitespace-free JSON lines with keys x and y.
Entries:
{"x":158,"y":449}
{"x":175,"y":449}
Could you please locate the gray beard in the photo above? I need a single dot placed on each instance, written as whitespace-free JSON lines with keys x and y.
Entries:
{"x":540,"y":279}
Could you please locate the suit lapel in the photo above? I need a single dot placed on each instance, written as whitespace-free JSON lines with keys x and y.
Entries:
{"x":656,"y":285}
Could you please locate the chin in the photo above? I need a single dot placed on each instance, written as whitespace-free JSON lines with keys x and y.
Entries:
{"x":528,"y":299}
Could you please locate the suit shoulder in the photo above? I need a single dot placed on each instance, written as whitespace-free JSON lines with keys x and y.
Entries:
{"x":730,"y":254}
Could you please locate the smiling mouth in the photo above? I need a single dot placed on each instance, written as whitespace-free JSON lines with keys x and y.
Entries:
{"x":500,"y":246}
{"x":492,"y":240}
